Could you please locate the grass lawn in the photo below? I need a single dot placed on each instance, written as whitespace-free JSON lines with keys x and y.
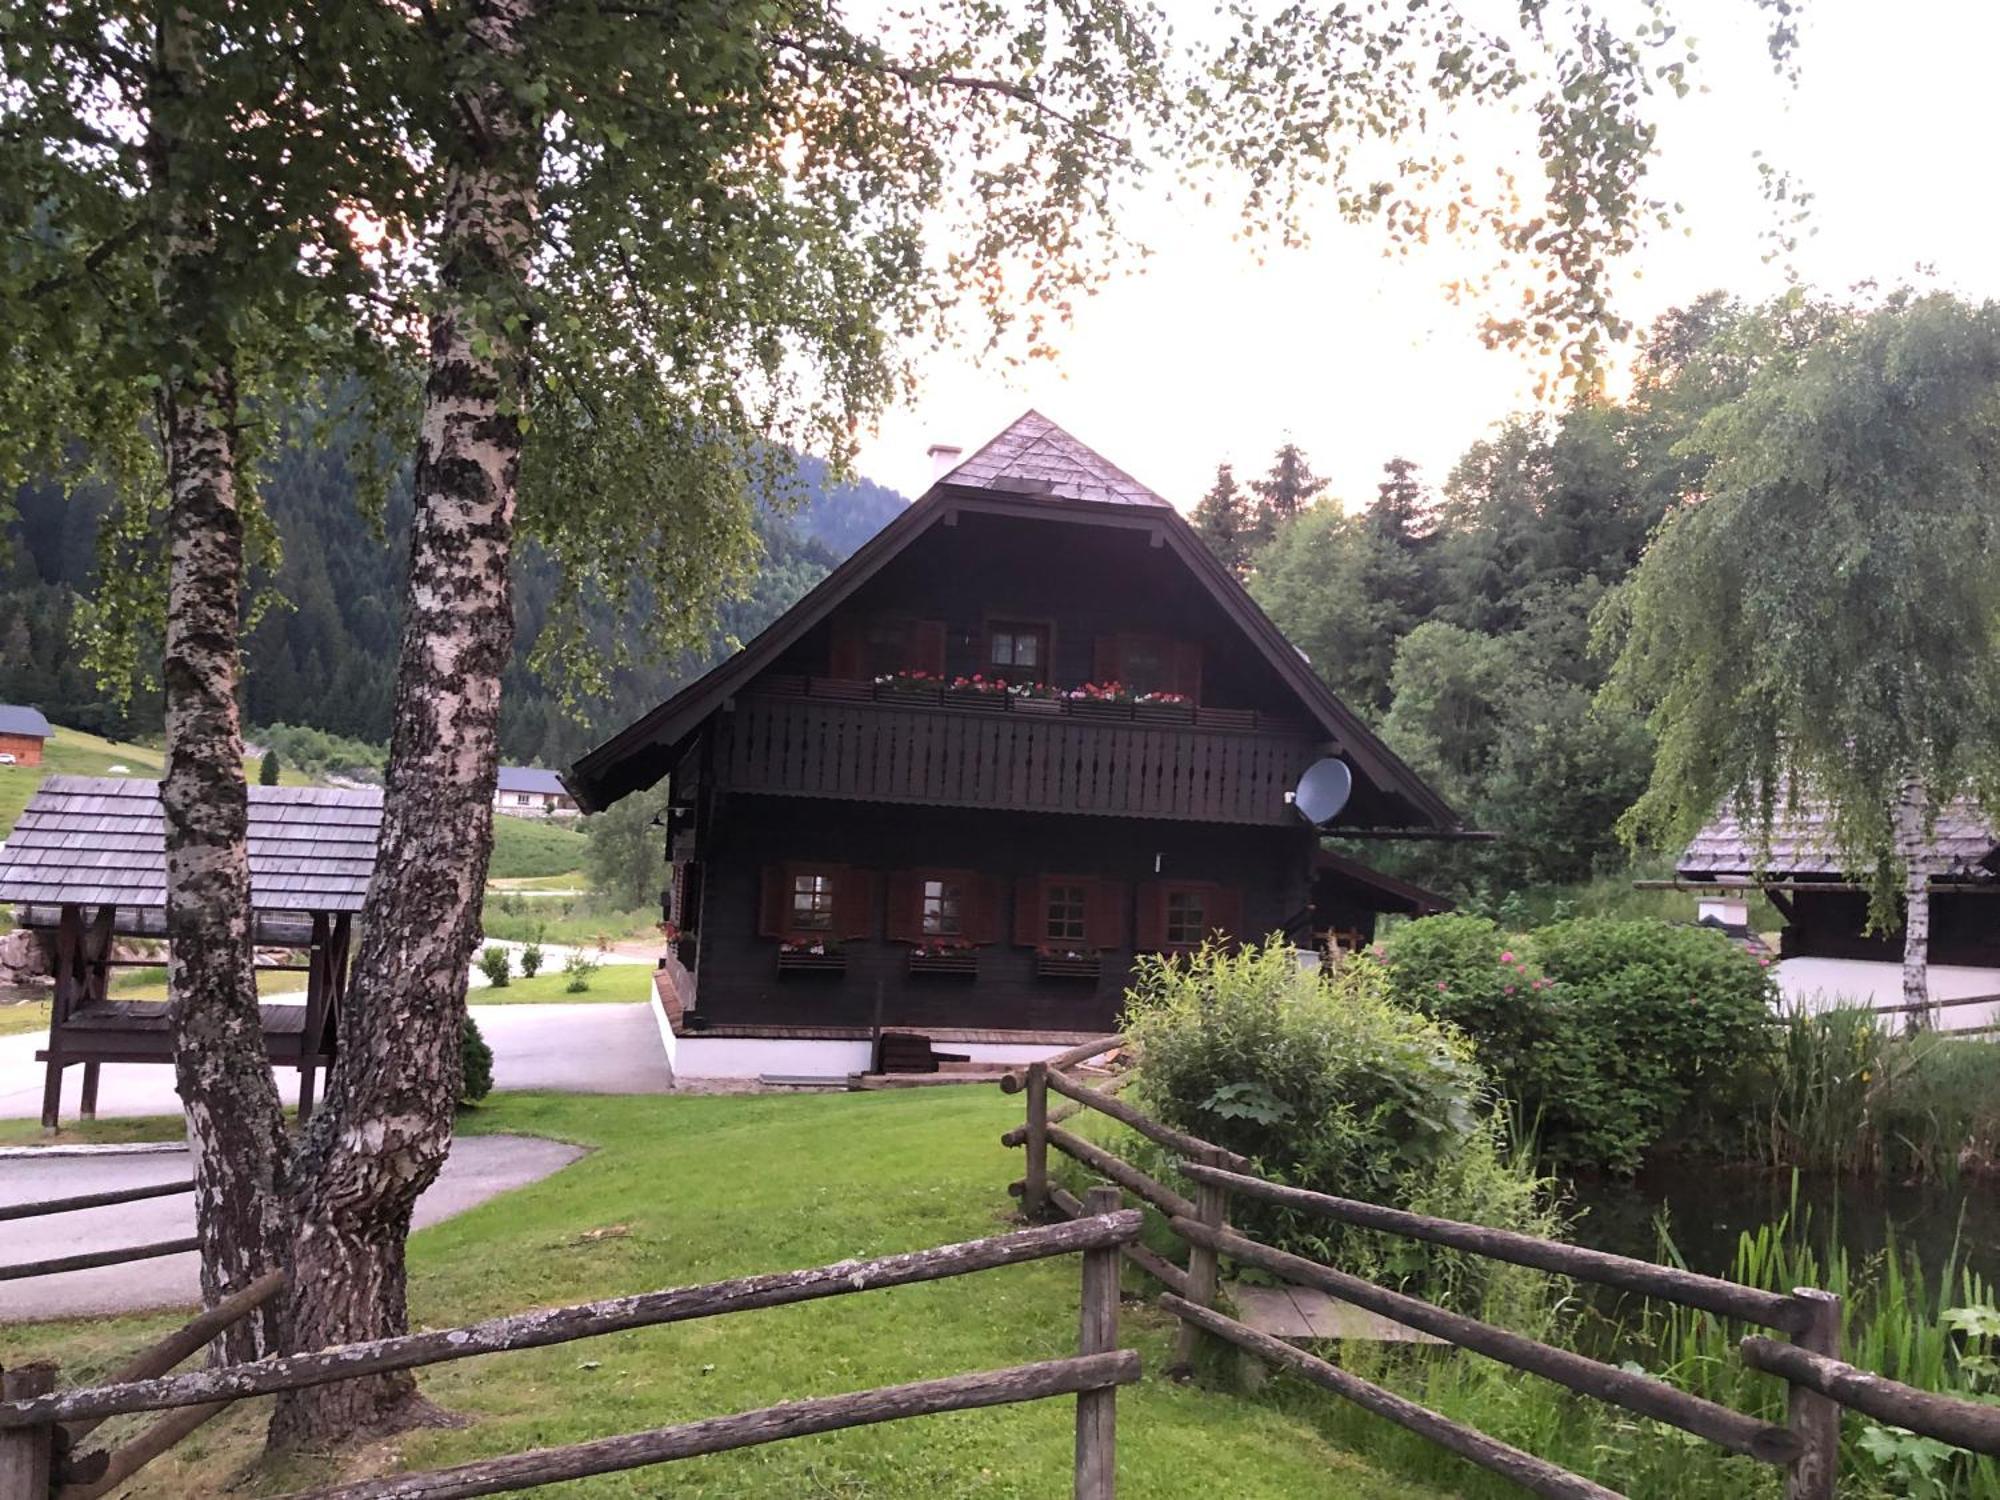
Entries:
{"x":573,"y":921}
{"x":17,"y":1016}
{"x":693,"y":1189}
{"x":111,"y":1131}
{"x":611,"y":984}
{"x":151,"y":983}
{"x":566,"y":882}
{"x":72,"y":753}
{"x":524,"y":847}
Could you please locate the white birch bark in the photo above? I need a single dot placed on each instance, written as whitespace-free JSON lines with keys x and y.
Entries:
{"x":235,"y":1122}
{"x":1912,"y":816}
{"x":386,"y":1127}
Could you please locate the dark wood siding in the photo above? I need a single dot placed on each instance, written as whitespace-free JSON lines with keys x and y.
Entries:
{"x":738,"y":982}
{"x":1965,"y":929}
{"x":877,"y":751}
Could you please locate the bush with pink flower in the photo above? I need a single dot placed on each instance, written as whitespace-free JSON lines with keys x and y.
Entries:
{"x":1621,"y":1037}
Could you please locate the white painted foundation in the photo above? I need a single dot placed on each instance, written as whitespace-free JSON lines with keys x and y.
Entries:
{"x":1818,"y":983}
{"x":753,"y":1057}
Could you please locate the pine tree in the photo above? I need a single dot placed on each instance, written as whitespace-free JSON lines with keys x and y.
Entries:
{"x":1223,"y":520}
{"x":267,"y":771}
{"x":1404,"y":514}
{"x":1288,"y":489}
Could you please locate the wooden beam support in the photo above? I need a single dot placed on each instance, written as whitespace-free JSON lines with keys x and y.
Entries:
{"x":1097,"y":1409}
{"x":1972,"y":1425}
{"x":1146,"y":1125}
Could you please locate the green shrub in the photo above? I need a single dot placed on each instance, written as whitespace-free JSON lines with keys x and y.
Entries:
{"x":1324,"y":1083}
{"x":581,"y":970}
{"x":1616,"y":1037}
{"x":493,"y":962}
{"x":475,"y":1064}
{"x":531,"y":958}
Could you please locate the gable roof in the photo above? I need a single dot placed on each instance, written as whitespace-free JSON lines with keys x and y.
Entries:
{"x":1018,"y":473}
{"x":1033,"y":456}
{"x":1802,"y":843}
{"x":101,"y":841}
{"x":531,"y":779}
{"x":16,"y":718}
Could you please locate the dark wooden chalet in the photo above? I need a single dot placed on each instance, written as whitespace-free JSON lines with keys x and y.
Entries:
{"x":1825,"y":904}
{"x":1030,"y":730}
{"x":86,"y":864}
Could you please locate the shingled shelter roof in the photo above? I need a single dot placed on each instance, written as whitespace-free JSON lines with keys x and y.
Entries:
{"x":101,"y":841}
{"x":1963,"y":847}
{"x":1036,"y":457}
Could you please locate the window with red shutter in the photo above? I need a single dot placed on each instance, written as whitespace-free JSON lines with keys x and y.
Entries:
{"x":1149,"y":918}
{"x":847,"y":656}
{"x":1106,"y":919}
{"x":1177,"y":916}
{"x":927,"y":647}
{"x":1028,"y":912}
{"x":902,"y":901}
{"x":854,"y":903}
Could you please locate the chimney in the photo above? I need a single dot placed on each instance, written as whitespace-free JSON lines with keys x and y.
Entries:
{"x":944,"y":458}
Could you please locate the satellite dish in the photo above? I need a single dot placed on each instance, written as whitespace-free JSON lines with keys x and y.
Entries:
{"x":1323,"y":791}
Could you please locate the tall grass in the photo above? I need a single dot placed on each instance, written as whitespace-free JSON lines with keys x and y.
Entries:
{"x":1847,"y":1095}
{"x":1938,"y":1332}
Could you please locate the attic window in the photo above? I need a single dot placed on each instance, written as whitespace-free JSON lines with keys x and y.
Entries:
{"x":1018,"y":648}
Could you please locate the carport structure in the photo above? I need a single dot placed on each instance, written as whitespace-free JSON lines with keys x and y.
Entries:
{"x":86,"y":865}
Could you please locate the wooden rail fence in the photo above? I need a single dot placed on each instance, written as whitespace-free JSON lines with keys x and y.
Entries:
{"x":1819,"y":1384}
{"x":89,"y":1259}
{"x":40,"y":1426}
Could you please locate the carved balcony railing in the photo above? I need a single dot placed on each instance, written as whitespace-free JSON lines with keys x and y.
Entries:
{"x":802,"y":743}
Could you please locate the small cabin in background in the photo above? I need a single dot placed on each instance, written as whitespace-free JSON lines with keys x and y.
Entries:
{"x":531,"y":792}
{"x":23,"y":732}
{"x":1029,"y":732}
{"x":1826,"y":952}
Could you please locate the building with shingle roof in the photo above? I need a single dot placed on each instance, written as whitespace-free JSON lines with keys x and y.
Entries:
{"x":23,"y":730}
{"x":532,"y":792}
{"x":86,"y":865}
{"x":1828,"y":949}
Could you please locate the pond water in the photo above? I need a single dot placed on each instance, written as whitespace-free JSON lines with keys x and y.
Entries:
{"x":1708,"y":1208}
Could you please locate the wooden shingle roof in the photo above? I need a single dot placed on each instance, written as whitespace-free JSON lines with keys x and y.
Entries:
{"x":101,"y":841}
{"x":1802,"y":844}
{"x":1036,"y":457}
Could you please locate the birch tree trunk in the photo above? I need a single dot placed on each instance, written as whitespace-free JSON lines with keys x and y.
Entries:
{"x":235,"y":1122}
{"x":1912,"y":840}
{"x":386,"y":1127}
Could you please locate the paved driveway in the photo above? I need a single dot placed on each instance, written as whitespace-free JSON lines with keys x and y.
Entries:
{"x":577,"y":1049}
{"x":479,"y":1167}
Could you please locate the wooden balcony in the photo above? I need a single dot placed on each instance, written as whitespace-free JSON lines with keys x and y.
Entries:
{"x":863,"y":748}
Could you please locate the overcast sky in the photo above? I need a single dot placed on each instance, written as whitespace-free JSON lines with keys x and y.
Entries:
{"x":1207,"y":357}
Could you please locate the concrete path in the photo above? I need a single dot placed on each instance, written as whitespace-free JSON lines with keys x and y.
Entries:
{"x":577,"y":1049}
{"x":479,"y":1167}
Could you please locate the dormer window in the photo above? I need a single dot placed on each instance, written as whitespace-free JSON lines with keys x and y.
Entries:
{"x":1017,"y":650}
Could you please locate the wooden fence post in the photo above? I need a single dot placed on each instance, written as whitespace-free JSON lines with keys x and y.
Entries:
{"x":1813,"y":1417}
{"x":1097,"y":1411}
{"x":1035,"y":1186}
{"x":27,"y":1454}
{"x":1211,"y":1208}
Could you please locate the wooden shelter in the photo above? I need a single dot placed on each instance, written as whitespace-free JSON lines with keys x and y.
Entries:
{"x":86,"y":864}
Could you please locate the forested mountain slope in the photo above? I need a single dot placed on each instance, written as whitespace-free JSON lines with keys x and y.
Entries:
{"x":325,"y":655}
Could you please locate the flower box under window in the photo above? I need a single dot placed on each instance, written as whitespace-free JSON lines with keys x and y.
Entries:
{"x":954,"y":962}
{"x":813,"y":959}
{"x":992,"y":700}
{"x":1163,"y":713}
{"x":1068,"y":965}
